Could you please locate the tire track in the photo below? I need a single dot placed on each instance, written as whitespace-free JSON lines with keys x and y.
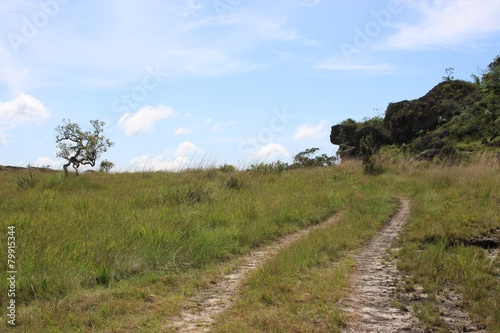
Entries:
{"x":370,"y":308}
{"x":205,"y":306}
{"x":376,"y":304}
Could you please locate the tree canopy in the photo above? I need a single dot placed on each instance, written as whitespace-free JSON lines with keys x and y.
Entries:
{"x":80,"y":147}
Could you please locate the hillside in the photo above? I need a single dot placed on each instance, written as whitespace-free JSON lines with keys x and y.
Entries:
{"x":131,"y":252}
{"x":453,"y":119}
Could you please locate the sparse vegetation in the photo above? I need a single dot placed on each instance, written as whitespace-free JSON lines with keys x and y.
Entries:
{"x":308,"y":159}
{"x":26,"y":181}
{"x":121,"y":252}
{"x":227,"y":168}
{"x":277,"y":166}
{"x":137,"y":245}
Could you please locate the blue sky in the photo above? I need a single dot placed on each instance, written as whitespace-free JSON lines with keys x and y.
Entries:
{"x":188,"y":82}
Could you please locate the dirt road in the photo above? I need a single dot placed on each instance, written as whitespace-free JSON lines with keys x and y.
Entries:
{"x":371,"y":307}
{"x":375,"y":305}
{"x":378,"y":305}
{"x":212,"y":301}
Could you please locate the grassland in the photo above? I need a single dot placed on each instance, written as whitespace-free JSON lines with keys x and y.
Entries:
{"x":122,"y":252}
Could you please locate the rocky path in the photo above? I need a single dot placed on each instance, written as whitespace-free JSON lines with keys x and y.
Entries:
{"x":371,"y":307}
{"x":202,"y":309}
{"x":376,"y":304}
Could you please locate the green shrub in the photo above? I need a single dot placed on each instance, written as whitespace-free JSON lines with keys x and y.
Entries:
{"x":367,"y":148}
{"x":227,"y":168}
{"x":26,"y":182}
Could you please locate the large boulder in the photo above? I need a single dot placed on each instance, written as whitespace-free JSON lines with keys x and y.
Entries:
{"x":348,"y":134}
{"x":407,"y":120}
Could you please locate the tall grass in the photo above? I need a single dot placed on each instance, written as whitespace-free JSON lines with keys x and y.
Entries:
{"x":450,"y":206}
{"x":121,"y":252}
{"x":298,"y":290}
{"x":76,"y":234}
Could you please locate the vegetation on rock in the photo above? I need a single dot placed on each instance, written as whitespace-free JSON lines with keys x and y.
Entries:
{"x":454,"y":118}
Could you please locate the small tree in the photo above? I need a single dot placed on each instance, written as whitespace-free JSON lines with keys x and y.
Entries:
{"x":106,"y":166}
{"x":449,"y":74}
{"x":306,"y":159}
{"x":367,"y":148}
{"x":79,"y":147}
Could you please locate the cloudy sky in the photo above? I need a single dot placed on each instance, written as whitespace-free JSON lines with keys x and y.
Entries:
{"x":193,"y":82}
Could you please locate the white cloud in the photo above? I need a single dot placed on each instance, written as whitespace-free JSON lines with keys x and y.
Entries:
{"x":219,"y":127}
{"x":271,"y":151}
{"x":319,"y":131}
{"x":187,"y":148}
{"x":184,"y":157}
{"x":21,"y":110}
{"x":15,"y":78}
{"x":158,"y":163}
{"x":183,"y":130}
{"x":144,"y":120}
{"x":204,"y":61}
{"x":184,"y":37}
{"x":334,"y":64}
{"x":48,"y":162}
{"x":447,"y":23}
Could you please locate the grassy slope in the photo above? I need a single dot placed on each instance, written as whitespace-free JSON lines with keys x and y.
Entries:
{"x":297,"y":292}
{"x":451,"y":205}
{"x":120,"y":252}
{"x":101,"y":245}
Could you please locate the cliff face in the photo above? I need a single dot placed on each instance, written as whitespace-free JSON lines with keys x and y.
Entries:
{"x":407,"y":120}
{"x":452,"y":115}
{"x":349,"y":133}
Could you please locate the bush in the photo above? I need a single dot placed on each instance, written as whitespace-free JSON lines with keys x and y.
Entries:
{"x":106,"y":166}
{"x":233,"y":183}
{"x":367,"y":148}
{"x":227,"y":168}
{"x":307,"y":159}
{"x":277,"y":166}
{"x":26,"y":182}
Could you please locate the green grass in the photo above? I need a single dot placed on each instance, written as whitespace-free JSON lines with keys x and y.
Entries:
{"x":298,"y":289}
{"x":85,"y":237}
{"x":451,"y":205}
{"x":121,"y":252}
